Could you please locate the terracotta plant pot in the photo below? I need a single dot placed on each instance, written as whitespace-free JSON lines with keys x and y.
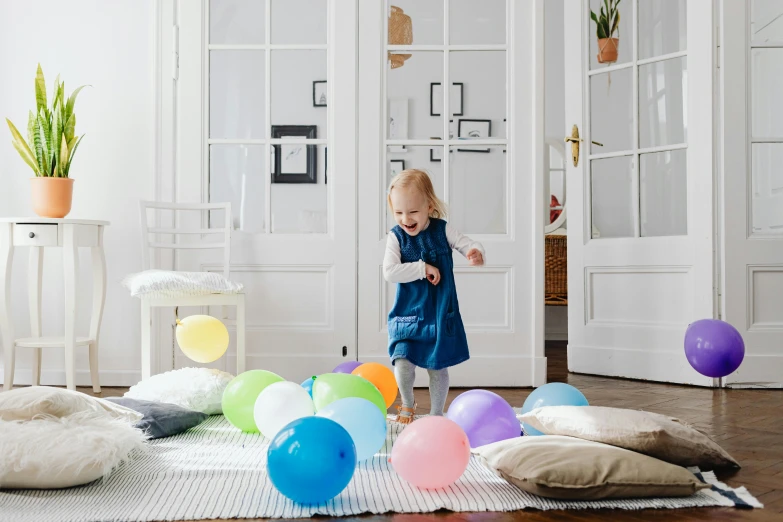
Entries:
{"x":51,"y":197}
{"x":608,"y":49}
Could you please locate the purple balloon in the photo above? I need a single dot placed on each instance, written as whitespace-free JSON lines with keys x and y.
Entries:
{"x":346,"y":367}
{"x":484,"y":416}
{"x":714,"y":348}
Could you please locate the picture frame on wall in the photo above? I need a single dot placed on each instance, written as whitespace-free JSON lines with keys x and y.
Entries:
{"x":474,"y":129}
{"x":398,"y":122}
{"x":297,"y":162}
{"x":320,"y":95}
{"x":396,"y":166}
{"x":455,"y":99}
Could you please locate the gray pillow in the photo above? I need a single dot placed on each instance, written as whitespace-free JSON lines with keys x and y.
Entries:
{"x":161,"y":419}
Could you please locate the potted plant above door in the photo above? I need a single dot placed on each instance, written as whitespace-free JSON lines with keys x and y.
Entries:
{"x":607,"y":24}
{"x":50,"y":147}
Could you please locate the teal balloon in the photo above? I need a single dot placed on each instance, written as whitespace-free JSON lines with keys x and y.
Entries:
{"x":311,"y":460}
{"x":552,"y":394}
{"x":307,"y":384}
{"x":362,"y":420}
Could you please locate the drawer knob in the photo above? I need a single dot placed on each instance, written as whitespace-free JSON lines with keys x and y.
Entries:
{"x":32,"y":235}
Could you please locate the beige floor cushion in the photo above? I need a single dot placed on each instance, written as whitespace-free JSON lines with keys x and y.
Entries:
{"x":26,"y":403}
{"x":59,"y":452}
{"x":569,"y":468}
{"x":659,"y":436}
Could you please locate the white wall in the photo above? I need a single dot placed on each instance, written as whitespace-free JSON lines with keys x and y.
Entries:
{"x":109,"y":46}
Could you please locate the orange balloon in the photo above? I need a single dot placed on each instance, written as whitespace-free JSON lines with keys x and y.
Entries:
{"x":382,"y":377}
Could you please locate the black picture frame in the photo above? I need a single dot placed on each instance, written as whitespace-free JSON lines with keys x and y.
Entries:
{"x":316,"y":101}
{"x":297,"y":131}
{"x":461,"y":99}
{"x":468,"y":120}
{"x":401,"y":162}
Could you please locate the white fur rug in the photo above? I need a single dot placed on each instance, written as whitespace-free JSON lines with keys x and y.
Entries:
{"x":214,"y":471}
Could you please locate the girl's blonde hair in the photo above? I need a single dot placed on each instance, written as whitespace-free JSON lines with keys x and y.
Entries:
{"x":419,"y":180}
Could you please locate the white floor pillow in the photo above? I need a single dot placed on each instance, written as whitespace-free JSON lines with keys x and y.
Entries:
{"x":166,"y":283}
{"x":199,"y":389}
{"x":52,"y":452}
{"x":26,"y":403}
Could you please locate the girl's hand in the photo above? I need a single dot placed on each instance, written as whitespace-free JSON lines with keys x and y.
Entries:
{"x":475,"y":257}
{"x":433,"y":274}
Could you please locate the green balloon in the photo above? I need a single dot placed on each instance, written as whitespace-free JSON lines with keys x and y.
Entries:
{"x":239,"y":397}
{"x":330,"y":387}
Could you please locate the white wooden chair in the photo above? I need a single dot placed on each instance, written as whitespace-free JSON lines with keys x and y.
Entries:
{"x":149,"y":244}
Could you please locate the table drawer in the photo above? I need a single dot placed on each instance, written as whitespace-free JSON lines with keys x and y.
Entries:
{"x":35,"y":235}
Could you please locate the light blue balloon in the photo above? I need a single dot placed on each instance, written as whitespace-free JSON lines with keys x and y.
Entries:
{"x":311,"y":460}
{"x":308,"y":385}
{"x":362,"y":420}
{"x":552,"y":394}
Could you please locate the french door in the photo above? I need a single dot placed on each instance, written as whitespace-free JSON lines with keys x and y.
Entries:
{"x":752,"y":196}
{"x":641,"y":231}
{"x":266,"y":112}
{"x":481,"y":141}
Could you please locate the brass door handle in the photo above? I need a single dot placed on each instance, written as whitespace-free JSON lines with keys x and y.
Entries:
{"x":574,"y":139}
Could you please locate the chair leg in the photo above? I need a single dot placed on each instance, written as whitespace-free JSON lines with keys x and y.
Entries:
{"x":96,"y":386}
{"x":146,"y":340}
{"x":36,"y":366}
{"x":240,"y":333}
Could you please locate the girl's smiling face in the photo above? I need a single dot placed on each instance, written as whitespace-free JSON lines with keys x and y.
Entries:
{"x":411,"y":209}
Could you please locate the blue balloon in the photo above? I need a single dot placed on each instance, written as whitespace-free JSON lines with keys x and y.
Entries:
{"x":363,"y":421}
{"x":308,"y":385}
{"x":311,"y":460}
{"x":552,"y":394}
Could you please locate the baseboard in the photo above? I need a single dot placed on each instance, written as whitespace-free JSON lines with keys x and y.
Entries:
{"x":119,"y":378}
{"x":557,"y":335}
{"x":631,"y":363}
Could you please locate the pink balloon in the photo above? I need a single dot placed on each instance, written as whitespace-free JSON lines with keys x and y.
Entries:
{"x":431,"y":453}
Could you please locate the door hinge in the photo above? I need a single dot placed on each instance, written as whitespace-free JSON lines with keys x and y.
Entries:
{"x":720,"y":306}
{"x":175,"y":52}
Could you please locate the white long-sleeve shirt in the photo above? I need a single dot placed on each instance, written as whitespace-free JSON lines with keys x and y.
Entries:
{"x":395,"y":271}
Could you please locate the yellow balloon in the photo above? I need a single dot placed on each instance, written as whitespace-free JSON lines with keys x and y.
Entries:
{"x":202,"y":338}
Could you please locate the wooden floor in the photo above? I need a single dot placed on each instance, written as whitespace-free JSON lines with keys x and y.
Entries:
{"x":748,"y":423}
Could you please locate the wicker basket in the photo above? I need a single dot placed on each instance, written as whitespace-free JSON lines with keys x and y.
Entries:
{"x":556,"y":270}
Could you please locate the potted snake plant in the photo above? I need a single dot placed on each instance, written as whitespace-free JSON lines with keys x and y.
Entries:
{"x":607,"y":23}
{"x":50,"y":148}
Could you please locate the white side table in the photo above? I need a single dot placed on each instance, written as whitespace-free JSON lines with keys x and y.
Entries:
{"x":68,"y":234}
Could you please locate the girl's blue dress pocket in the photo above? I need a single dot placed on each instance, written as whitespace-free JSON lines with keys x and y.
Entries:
{"x":410,"y":327}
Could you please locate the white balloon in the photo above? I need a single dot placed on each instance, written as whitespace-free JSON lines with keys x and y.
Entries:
{"x":281,"y":403}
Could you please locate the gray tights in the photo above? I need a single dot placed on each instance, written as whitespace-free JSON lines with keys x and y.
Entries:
{"x":405,"y":372}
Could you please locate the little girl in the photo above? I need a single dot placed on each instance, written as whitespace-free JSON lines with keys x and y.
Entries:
{"x":425,"y":327}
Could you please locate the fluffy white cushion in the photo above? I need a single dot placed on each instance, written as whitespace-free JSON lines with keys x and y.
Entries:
{"x":52,"y":452}
{"x":199,"y":389}
{"x":27,"y":403}
{"x":165,"y":283}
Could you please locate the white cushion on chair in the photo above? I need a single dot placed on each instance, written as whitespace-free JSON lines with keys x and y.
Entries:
{"x":199,"y":389}
{"x":166,"y":283}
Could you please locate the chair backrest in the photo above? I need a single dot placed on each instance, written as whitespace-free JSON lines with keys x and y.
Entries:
{"x":148,"y":233}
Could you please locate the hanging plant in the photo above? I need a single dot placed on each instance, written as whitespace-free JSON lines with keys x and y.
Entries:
{"x":607,"y":24}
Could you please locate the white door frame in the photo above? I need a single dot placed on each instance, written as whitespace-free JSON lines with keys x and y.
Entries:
{"x":522,"y":248}
{"x":745,"y":253}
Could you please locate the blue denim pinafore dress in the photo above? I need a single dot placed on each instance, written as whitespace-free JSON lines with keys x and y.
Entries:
{"x":425,"y":325}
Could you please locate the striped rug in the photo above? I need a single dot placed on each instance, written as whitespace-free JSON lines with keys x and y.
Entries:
{"x":214,"y":471}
